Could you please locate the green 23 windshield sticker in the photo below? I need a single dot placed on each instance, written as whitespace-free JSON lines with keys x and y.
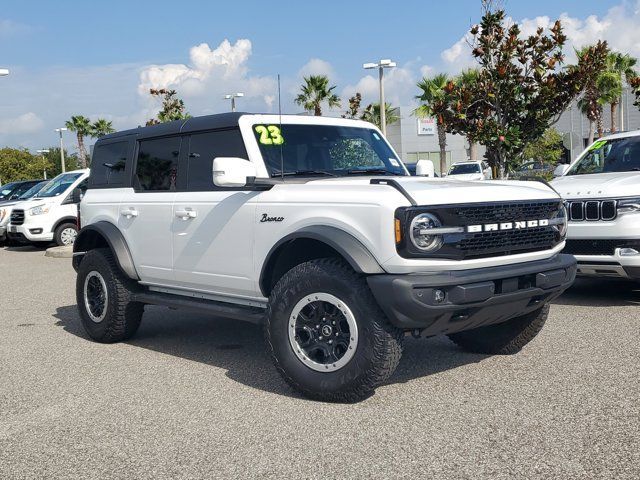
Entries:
{"x":269,"y":135}
{"x":598,"y":144}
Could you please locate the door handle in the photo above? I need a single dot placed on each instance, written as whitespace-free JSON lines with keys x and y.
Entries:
{"x":129,"y":212}
{"x":186,"y":214}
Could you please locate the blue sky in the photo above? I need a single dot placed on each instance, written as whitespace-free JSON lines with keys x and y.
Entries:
{"x":72,"y":57}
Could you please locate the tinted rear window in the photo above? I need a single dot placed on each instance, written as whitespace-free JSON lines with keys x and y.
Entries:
{"x":108,"y":164}
{"x":157,"y":165}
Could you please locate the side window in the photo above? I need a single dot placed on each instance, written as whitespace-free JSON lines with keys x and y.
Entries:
{"x":203,"y":148}
{"x":108,"y":164}
{"x":157,"y":165}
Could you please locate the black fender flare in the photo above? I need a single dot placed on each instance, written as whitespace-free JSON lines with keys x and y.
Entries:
{"x":115,"y":240}
{"x":349,"y":247}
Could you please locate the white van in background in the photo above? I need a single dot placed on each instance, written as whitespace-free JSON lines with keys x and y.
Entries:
{"x":52,"y":216}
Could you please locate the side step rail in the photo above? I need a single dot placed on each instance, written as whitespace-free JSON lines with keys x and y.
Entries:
{"x":220,"y":309}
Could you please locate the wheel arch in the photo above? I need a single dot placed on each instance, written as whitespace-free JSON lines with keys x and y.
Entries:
{"x":67,"y":219}
{"x":313,"y":242}
{"x":105,"y":235}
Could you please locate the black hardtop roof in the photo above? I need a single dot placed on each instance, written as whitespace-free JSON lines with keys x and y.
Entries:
{"x":193,"y":124}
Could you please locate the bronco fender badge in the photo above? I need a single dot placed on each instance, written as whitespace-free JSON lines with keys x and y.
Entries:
{"x":494,"y":227}
{"x":267,"y":218}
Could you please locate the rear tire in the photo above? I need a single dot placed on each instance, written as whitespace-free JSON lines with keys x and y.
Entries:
{"x":103,"y":294}
{"x":327,"y":335}
{"x":503,"y":338}
{"x":65,"y":234}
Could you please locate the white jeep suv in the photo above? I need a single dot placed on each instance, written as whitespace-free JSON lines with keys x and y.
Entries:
{"x":312,"y":227}
{"x":602,"y":190}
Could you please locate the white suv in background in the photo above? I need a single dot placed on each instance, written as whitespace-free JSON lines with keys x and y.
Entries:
{"x":53,"y":215}
{"x":602,"y":190}
{"x":470,"y":170}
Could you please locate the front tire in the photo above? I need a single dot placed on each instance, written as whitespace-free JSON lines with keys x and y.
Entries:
{"x":327,"y":335}
{"x":503,"y":338}
{"x":65,"y":234}
{"x":104,"y":297}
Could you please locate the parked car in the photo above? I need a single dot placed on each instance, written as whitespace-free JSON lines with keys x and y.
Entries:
{"x":470,"y":170}
{"x":312,"y":226}
{"x":52,"y":216}
{"x":532,"y":169}
{"x":7,"y":205}
{"x":12,"y":190}
{"x":602,"y":189}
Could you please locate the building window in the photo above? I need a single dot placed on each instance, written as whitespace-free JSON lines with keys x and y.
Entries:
{"x":413,"y":157}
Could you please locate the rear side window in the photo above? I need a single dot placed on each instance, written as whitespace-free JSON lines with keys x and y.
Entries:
{"x":157,"y":165}
{"x":203,"y":148}
{"x":108,"y":164}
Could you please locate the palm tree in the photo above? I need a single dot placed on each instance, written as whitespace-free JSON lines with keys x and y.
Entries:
{"x":433,"y":93}
{"x":372,"y":114}
{"x":82,"y":126}
{"x":315,"y":91}
{"x":619,"y":71}
{"x":468,"y":78}
{"x":590,"y":103}
{"x":101,"y":127}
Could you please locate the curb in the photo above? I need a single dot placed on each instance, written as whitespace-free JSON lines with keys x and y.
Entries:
{"x":60,"y":252}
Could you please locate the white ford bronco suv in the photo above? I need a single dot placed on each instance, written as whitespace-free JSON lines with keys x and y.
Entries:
{"x":602,"y":190}
{"x":313,"y":227}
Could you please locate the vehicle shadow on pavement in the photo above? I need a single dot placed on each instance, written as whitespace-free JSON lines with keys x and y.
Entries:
{"x":238,"y":347}
{"x":26,"y":248}
{"x":601,"y":293}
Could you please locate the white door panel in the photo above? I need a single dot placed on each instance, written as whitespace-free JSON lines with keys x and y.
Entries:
{"x":145,"y":220}
{"x":213,"y":241}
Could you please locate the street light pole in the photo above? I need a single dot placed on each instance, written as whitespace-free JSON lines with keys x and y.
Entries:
{"x":381,"y":65}
{"x":42,"y":152}
{"x":60,"y":130}
{"x":232,"y":97}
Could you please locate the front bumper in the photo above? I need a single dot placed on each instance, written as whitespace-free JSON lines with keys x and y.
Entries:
{"x":29,"y":233}
{"x":465,"y":299}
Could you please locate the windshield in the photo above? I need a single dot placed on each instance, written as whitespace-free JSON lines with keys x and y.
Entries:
{"x":7,"y":188}
{"x":33,"y":190}
{"x":58,"y":185}
{"x":464,"y":168}
{"x":607,"y":156}
{"x":325,"y":149}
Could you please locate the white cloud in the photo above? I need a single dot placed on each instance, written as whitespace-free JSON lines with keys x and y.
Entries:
{"x":25,"y":123}
{"x":316,"y":66}
{"x":209,"y":75}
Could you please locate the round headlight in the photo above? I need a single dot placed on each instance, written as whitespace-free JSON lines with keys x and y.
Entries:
{"x":419,"y":234}
{"x":562,"y":226}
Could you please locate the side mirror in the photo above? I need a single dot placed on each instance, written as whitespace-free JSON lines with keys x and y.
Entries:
{"x":232,"y":171}
{"x":425,"y":168}
{"x":561,"y":170}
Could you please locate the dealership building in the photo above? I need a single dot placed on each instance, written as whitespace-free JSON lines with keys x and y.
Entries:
{"x":417,"y":139}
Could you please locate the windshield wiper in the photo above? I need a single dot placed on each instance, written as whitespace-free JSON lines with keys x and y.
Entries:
{"x":369,"y":171}
{"x":302,"y":173}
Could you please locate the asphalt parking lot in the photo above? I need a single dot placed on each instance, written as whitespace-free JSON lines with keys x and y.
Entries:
{"x":196,"y":397}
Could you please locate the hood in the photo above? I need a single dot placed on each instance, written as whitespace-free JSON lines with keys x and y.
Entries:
{"x":435,"y":191}
{"x":598,"y":185}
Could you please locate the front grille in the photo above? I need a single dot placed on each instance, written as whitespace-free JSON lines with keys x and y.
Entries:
{"x":507,"y":242}
{"x":17,"y":217}
{"x":598,"y":247}
{"x":505,"y":212}
{"x":592,"y":210}
{"x":498,"y":241}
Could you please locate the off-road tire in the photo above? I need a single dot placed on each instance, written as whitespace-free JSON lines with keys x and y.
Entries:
{"x":57,"y":235}
{"x":122,"y":317}
{"x":379,"y":345}
{"x":503,"y":338}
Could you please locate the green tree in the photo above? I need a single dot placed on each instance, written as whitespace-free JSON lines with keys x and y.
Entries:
{"x":354,"y":107}
{"x":172,"y":107}
{"x":434,"y":98}
{"x":371,"y":114}
{"x":521,"y":89}
{"x":314,"y":92}
{"x":468,"y":79}
{"x":546,"y":149}
{"x":620,"y":70}
{"x":594,"y":92}
{"x":82,"y":127}
{"x":52,"y":159}
{"x":101,"y":127}
{"x":19,"y":164}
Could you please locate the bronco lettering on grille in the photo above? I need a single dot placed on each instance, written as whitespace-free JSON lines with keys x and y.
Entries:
{"x":494,"y":227}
